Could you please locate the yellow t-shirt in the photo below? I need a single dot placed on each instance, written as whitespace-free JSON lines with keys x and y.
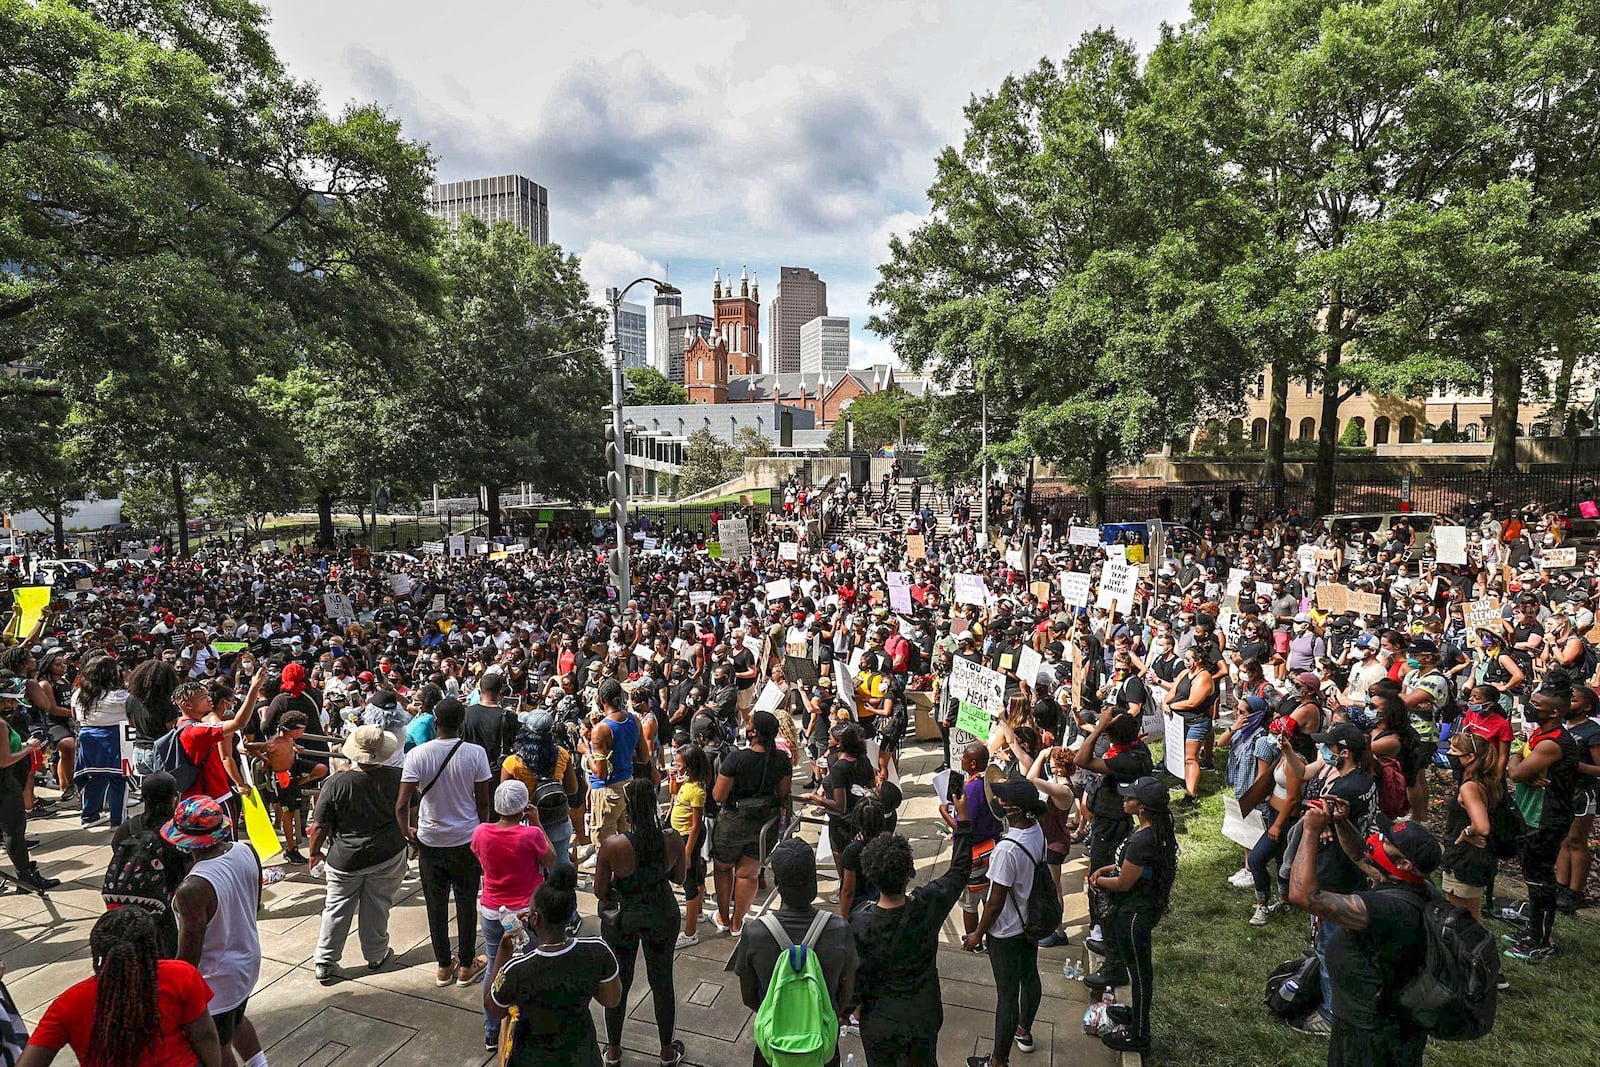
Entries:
{"x":691,"y":795}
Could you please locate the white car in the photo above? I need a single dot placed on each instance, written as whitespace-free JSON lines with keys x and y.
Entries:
{"x":63,"y":571}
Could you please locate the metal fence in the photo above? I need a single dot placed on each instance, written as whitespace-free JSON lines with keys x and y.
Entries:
{"x":1450,"y":494}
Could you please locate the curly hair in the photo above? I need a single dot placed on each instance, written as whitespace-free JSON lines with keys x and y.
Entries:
{"x":887,"y":861}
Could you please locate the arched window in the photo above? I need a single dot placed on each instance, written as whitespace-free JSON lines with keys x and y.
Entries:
{"x":1473,"y":431}
{"x":1380,"y":430}
{"x":1235,"y":430}
{"x":1408,"y":430}
{"x":1359,"y":423}
{"x":1541,"y":429}
{"x":1308,"y":428}
{"x":1258,"y":433}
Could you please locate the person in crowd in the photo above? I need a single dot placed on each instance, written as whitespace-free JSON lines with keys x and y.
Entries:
{"x":1544,"y":777}
{"x":849,"y":780}
{"x":16,"y":767}
{"x":1013,"y":957}
{"x":449,"y":778}
{"x":897,"y":947}
{"x":1575,"y":861}
{"x":751,"y":790}
{"x":1468,"y":862}
{"x":536,"y":759}
{"x":616,"y":743}
{"x":216,"y":905}
{"x":1125,"y":758}
{"x":1275,"y":795}
{"x":1139,"y":882}
{"x":1376,"y":942}
{"x":1193,"y":698}
{"x":355,"y":836}
{"x":514,"y":857}
{"x":203,"y":741}
{"x":101,"y":707}
{"x":547,"y":990}
{"x":986,"y":830}
{"x":690,"y":784}
{"x":158,"y":796}
{"x":634,"y":872}
{"x":856,"y":890}
{"x":794,"y":875}
{"x":139,"y":1008}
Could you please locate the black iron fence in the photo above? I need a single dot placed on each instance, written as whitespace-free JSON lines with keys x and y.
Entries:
{"x":1450,"y":494}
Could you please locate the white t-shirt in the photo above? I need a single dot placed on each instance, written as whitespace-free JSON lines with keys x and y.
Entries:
{"x":1011,"y":864}
{"x":449,"y":813}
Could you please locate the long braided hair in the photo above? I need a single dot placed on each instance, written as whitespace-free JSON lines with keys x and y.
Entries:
{"x":639,"y":796}
{"x":127,"y":1017}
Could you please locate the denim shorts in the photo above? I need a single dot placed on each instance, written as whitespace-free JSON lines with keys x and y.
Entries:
{"x":1197,"y":731}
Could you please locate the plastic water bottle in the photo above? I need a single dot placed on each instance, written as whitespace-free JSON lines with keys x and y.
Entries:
{"x":1290,"y":987}
{"x":850,"y":1060}
{"x":320,"y":869}
{"x":511,"y":924}
{"x":1071,"y":971}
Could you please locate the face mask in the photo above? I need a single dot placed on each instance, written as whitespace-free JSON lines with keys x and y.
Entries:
{"x":1380,"y":858}
{"x":1455,"y":762}
{"x":1530,"y":714}
{"x":1479,"y":709}
{"x":1327,"y":755}
{"x":1413,"y":662}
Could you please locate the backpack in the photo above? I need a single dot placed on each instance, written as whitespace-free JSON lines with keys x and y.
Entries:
{"x":137,"y":876}
{"x":1294,"y":987}
{"x":1587,"y":661}
{"x":1453,"y":997}
{"x":1043,"y":913}
{"x":174,"y":759}
{"x":796,"y":1025}
{"x":1393,"y":800}
{"x":550,"y":801}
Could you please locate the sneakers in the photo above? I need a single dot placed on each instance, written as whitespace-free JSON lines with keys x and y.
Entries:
{"x":327,"y":973}
{"x":1242,"y":879}
{"x":388,"y":957}
{"x":1315,"y":1025}
{"x":1120,"y":1040}
{"x":1262,"y":913}
{"x":575,"y":926}
{"x":1516,"y":914}
{"x":1528,"y":951}
{"x":444,"y":975}
{"x":34,"y":879}
{"x":720,"y":923}
{"x":491,"y":1044}
{"x":291,"y":856}
{"x":1101,"y":980}
{"x":1023,"y":1039}
{"x":1055,"y":939}
{"x":687,"y":941}
{"x":472,"y":973}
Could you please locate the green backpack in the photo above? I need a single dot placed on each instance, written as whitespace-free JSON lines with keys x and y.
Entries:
{"x":796,"y":1025}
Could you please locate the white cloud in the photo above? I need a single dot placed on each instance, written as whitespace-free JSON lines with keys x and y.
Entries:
{"x":605,"y":264}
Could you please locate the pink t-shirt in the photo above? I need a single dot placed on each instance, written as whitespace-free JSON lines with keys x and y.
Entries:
{"x":509,"y":856}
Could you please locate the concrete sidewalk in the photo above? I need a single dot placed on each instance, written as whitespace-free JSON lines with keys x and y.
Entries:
{"x":399,"y":1017}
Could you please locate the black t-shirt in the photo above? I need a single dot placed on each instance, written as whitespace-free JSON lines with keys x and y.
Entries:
{"x":856,"y":777}
{"x":1139,"y":847}
{"x":754,"y":774}
{"x":850,"y":860}
{"x":1335,"y":871}
{"x":1124,"y":767}
{"x":1560,"y":795}
{"x":1369,"y":967}
{"x":743,"y":661}
{"x":357,"y":810}
{"x":1131,"y":690}
{"x":552,"y":989}
{"x":492,"y":728}
{"x":1585,"y":735}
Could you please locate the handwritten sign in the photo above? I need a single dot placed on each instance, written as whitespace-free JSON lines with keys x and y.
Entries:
{"x":973,"y":719}
{"x":779,"y":589}
{"x":701,"y":596}
{"x":1040,"y":591}
{"x":1450,"y":544}
{"x":916,"y":546}
{"x":1307,"y":555}
{"x":1119,"y":582}
{"x":1365,"y":603}
{"x":1552,"y":558}
{"x":977,"y":684}
{"x":788,"y":550}
{"x":1028,"y":664}
{"x":734,"y":536}
{"x":899,"y":592}
{"x":1483,"y":614}
{"x":1333,"y":598}
{"x":338,"y":606}
{"x":970,"y":589}
{"x":1075,"y":588}
{"x":1087,"y":536}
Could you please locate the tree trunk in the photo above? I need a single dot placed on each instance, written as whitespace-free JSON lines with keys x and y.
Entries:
{"x":1277,"y":417}
{"x":1562,"y":393}
{"x":1327,"y":431}
{"x":1097,"y":485}
{"x":58,"y":527}
{"x":1505,"y":390}
{"x":180,"y":508}
{"x":491,"y":501}
{"x":325,"y":534}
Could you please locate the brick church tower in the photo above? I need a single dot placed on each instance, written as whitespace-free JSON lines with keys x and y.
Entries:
{"x":705,"y":371}
{"x":738,"y":321}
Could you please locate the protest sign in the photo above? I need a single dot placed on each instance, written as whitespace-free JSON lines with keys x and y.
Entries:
{"x":1333,"y":598}
{"x":973,"y":719}
{"x":1119,"y":583}
{"x":916,"y":546}
{"x":1075,"y":588}
{"x":779,"y":589}
{"x":1243,"y":830}
{"x":1483,"y":614}
{"x":643,"y":653}
{"x":977,"y":684}
{"x":1365,"y":603}
{"x":1040,"y":591}
{"x":400,"y":584}
{"x":1028,"y":664}
{"x":1088,"y":536}
{"x":338,"y":606}
{"x":899,"y":592}
{"x":458,"y":545}
{"x":734,"y":536}
{"x":970,"y":589}
{"x":438,"y":603}
{"x":752,"y":645}
{"x":701,"y":596}
{"x":771,"y":696}
{"x":1450,"y":544}
{"x":1014,"y":558}
{"x":1552,"y":558}
{"x":713,"y":550}
{"x":432,"y":548}
{"x":788,"y":550}
{"x":227,"y":648}
{"x":1172,"y":745}
{"x":1307,"y":555}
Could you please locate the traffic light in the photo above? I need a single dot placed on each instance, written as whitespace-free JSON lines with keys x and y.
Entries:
{"x":614,"y":486}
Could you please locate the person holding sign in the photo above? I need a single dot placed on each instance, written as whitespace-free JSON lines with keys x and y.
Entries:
{"x":1193,"y":696}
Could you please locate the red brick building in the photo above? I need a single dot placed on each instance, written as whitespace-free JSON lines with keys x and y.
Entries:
{"x":737,"y":318}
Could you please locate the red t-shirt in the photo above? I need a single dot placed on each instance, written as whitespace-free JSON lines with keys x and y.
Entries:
{"x":202,"y":741}
{"x":182,"y":996}
{"x":1493,"y":728}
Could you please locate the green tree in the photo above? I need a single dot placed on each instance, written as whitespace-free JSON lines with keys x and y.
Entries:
{"x":875,"y":420}
{"x":1354,"y":435}
{"x":517,"y":382}
{"x":650,"y":386}
{"x":1066,"y":271}
{"x":706,"y":462}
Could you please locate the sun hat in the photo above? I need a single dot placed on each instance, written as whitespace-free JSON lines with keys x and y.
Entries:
{"x":370,"y":744}
{"x":197,"y":823}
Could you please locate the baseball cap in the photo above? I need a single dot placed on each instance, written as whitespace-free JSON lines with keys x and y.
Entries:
{"x":1342,"y":733}
{"x":1367,"y":641}
{"x":1422,"y":644}
{"x":1146,"y":790}
{"x":1308,"y":680}
{"x":1416,"y":843}
{"x":1019,"y":793}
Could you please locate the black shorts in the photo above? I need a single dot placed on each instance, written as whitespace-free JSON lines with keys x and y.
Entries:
{"x":228,"y":1021}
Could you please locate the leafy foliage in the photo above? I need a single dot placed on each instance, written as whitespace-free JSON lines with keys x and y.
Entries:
{"x":650,"y":386}
{"x":875,"y":420}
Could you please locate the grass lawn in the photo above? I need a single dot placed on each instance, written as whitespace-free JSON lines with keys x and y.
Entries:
{"x":1211,"y":969}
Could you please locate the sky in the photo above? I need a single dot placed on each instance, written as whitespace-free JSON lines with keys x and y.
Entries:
{"x":676,"y":138}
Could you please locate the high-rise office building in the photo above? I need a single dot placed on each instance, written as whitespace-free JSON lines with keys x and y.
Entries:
{"x":825,"y":345}
{"x":681,"y":330}
{"x":507,"y":198}
{"x":631,"y":325}
{"x":801,"y":297}
{"x":666,"y":308}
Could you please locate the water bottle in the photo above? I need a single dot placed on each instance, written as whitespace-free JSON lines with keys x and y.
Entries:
{"x":850,"y":1060}
{"x":1287,"y":991}
{"x":511,"y":924}
{"x":320,"y":869}
{"x":1071,"y":971}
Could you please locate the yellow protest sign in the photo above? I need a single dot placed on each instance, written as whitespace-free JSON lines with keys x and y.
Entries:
{"x":31,"y":602}
{"x":258,"y":828}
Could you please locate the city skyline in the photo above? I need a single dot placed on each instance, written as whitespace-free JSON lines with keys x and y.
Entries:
{"x":816,"y":155}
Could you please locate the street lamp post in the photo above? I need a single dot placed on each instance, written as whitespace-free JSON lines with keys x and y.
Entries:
{"x":983,"y":400}
{"x":616,"y":441}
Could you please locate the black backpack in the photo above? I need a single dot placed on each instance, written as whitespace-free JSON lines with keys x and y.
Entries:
{"x":137,"y":876}
{"x":1294,"y":987}
{"x":550,"y":801}
{"x":1042,"y":916}
{"x":174,"y":759}
{"x":1454,"y":996}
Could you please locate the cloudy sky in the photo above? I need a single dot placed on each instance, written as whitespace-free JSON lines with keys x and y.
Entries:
{"x":682,"y":136}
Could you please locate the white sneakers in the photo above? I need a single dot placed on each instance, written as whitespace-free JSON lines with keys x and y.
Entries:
{"x":1242,"y":879}
{"x":1260,"y":916}
{"x":687,"y":940}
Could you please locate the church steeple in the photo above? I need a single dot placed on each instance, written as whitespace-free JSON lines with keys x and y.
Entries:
{"x":716,"y":284}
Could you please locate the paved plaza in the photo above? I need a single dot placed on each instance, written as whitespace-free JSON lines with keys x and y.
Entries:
{"x":399,"y":1018}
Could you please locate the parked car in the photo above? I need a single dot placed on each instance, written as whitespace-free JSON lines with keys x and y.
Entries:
{"x":1344,"y":525}
{"x":63,"y":571}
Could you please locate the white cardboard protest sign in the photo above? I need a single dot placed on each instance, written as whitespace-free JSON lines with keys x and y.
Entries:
{"x":779,"y":589}
{"x":338,"y":606}
{"x":1450,"y":544}
{"x":1075,"y":588}
{"x":978,"y":685}
{"x":899,"y":592}
{"x":1028,"y":664}
{"x":1119,"y":581}
{"x":788,"y":550}
{"x":771,"y":696}
{"x":458,"y":544}
{"x":970,"y":589}
{"x":1552,"y":558}
{"x":1087,"y":536}
{"x":734,"y":536}
{"x":1172,"y":757}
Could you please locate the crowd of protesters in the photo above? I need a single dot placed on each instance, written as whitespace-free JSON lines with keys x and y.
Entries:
{"x":526,"y":736}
